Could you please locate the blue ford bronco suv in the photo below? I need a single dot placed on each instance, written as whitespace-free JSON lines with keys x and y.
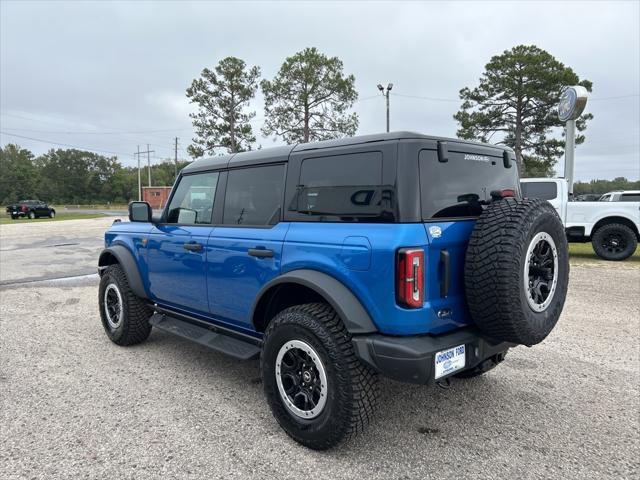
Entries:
{"x":398,"y":254}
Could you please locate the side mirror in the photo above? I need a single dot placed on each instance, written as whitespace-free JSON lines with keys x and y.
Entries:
{"x":139,"y":212}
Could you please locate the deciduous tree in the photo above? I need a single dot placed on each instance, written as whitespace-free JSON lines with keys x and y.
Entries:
{"x":19,"y":176}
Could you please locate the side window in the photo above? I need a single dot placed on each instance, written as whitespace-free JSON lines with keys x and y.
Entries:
{"x":254,"y":196}
{"x":192,"y":202}
{"x":541,"y":190}
{"x":343,"y":187}
{"x":630,"y":197}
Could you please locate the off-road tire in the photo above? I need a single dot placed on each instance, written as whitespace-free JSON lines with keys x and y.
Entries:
{"x":352,"y":386}
{"x":32,"y":215}
{"x":134,"y":325}
{"x":495,"y":270}
{"x":601,"y":242}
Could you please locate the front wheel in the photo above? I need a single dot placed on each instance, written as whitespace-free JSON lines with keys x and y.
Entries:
{"x":32,"y":215}
{"x":318,"y":390}
{"x":614,"y":242}
{"x":52,"y":214}
{"x":125,"y":316}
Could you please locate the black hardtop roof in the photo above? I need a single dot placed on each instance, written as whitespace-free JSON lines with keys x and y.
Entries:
{"x":281,"y":153}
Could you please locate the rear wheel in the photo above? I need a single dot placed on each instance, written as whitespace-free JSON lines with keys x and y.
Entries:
{"x":125,"y":316}
{"x":614,"y":241}
{"x":318,"y":390}
{"x":32,"y":215}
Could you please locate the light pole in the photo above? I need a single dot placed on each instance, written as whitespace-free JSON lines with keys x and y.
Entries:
{"x":386,"y":94}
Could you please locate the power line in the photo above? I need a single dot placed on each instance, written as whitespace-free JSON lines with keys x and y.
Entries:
{"x":64,"y":144}
{"x":367,"y":98}
{"x":436,"y":99}
{"x":597,"y":99}
{"x":433,"y":99}
{"x":68,"y":132}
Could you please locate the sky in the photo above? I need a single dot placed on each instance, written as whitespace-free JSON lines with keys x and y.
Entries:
{"x":109,"y":76}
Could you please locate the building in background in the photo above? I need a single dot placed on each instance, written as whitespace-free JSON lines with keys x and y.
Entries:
{"x":156,"y":196}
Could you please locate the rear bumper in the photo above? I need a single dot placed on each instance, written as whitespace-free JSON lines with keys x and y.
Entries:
{"x":411,"y":359}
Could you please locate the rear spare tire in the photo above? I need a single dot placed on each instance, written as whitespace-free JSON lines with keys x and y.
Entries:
{"x":517,"y":270}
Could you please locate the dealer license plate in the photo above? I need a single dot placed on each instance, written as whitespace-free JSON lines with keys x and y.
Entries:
{"x":450,"y":360}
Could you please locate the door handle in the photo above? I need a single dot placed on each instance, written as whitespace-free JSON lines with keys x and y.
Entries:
{"x":193,"y":247}
{"x":260,"y":252}
{"x":446,"y":273}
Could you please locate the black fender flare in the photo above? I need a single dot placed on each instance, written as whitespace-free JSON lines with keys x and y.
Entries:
{"x":128,"y":263}
{"x":355,"y":317}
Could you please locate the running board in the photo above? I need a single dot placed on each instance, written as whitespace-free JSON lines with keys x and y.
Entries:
{"x":234,"y":347}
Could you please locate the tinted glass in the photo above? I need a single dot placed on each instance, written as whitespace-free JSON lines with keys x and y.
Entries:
{"x":254,"y":196}
{"x":541,"y":190}
{"x":343,"y":188}
{"x":192,"y":202}
{"x":461,"y":186}
{"x":630,"y":197}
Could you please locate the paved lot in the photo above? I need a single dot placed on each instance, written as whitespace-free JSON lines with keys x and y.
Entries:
{"x":45,"y":250}
{"x":73,"y":405}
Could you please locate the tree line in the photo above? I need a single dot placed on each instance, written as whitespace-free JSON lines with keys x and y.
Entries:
{"x":79,"y":177}
{"x":604,"y":186}
{"x":70,"y":176}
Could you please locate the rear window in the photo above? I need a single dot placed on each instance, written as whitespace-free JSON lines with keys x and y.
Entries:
{"x":462,"y":185}
{"x":541,"y":190}
{"x":630,"y":197}
{"x":342,"y":188}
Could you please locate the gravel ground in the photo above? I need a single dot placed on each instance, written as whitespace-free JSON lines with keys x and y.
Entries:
{"x":74,"y":405}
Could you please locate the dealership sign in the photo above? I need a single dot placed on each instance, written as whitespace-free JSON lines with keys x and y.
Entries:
{"x":572,"y":103}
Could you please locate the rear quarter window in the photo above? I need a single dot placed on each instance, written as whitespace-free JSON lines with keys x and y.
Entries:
{"x":630,"y":197}
{"x":344,"y":187}
{"x":541,"y":190}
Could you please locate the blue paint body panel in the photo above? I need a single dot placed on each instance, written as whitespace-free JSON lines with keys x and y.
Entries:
{"x":221,"y":282}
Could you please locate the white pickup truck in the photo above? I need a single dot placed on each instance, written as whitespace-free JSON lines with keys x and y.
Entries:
{"x":612,"y":227}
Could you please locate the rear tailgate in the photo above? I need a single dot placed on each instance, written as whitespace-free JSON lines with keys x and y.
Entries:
{"x":453,"y":194}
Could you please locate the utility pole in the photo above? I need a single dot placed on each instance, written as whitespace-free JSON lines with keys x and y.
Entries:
{"x":175,"y":175}
{"x":149,"y":163}
{"x":149,"y":166}
{"x":386,"y":94}
{"x":137,"y":154}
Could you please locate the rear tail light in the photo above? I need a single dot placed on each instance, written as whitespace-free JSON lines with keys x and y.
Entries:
{"x":504,"y":193}
{"x":410,"y":277}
